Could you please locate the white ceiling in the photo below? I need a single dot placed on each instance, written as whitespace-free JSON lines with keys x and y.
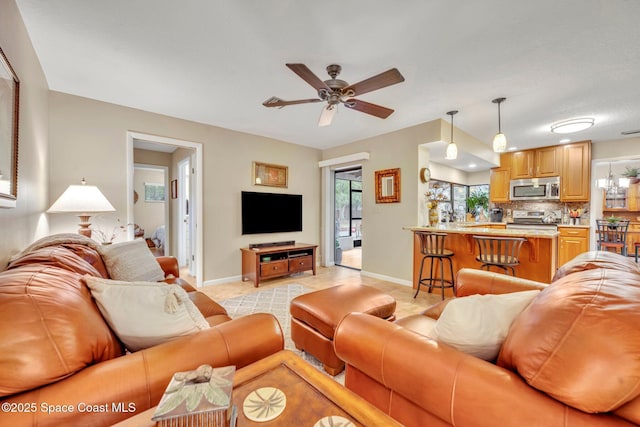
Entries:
{"x":215,"y":62}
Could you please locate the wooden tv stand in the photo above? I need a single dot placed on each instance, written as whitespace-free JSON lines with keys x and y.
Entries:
{"x":276,"y":261}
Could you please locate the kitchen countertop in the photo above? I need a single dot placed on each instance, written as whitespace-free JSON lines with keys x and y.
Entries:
{"x":484,"y":229}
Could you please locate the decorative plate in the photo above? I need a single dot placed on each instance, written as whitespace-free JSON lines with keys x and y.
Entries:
{"x":264,"y":404}
{"x":334,"y":421}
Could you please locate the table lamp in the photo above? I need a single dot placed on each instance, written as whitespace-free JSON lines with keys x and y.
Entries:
{"x":83,"y":200}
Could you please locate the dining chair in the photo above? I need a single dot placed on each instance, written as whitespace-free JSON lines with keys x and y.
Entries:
{"x":612,"y":235}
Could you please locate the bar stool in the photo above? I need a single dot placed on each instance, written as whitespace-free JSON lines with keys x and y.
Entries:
{"x":502,"y":252}
{"x":432,"y":247}
{"x":613,"y":235}
{"x":636,"y":245}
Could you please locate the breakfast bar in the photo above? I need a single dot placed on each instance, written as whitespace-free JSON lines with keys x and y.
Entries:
{"x":538,"y":256}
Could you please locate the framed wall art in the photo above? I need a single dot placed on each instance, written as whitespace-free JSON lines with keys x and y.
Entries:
{"x":270,"y":175}
{"x":154,"y":192}
{"x":388,"y":186}
{"x":9,"y":107}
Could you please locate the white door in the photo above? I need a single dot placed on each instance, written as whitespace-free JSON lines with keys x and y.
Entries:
{"x":184,"y":222}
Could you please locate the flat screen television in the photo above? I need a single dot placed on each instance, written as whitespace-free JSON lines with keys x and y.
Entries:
{"x":271,"y":212}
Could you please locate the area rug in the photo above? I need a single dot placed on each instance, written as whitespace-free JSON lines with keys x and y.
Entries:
{"x":275,"y":301}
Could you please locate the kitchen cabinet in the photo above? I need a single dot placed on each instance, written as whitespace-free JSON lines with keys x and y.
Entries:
{"x":539,"y":163}
{"x":522,"y":164}
{"x":499,"y":185}
{"x":576,"y":172}
{"x":572,"y":241}
{"x":548,"y":161}
{"x":633,"y":197}
{"x":633,"y":236}
{"x":624,"y":200}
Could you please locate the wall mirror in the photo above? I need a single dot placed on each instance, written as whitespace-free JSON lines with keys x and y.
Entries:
{"x":9,"y":95}
{"x":388,"y":186}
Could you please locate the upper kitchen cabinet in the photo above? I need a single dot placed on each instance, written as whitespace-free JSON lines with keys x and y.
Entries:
{"x":539,"y":163}
{"x":548,"y":161}
{"x":522,"y":164}
{"x":499,"y":180}
{"x":576,"y":172}
{"x":499,"y":185}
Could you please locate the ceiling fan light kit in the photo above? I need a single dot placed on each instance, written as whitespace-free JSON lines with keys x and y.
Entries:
{"x":572,"y":125}
{"x":499,"y":141}
{"x":452,"y":148}
{"x":335,"y":91}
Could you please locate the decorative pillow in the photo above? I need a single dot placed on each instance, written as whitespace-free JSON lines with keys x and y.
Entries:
{"x":144,"y":314}
{"x":131,"y":261}
{"x":478,"y":324}
{"x":579,"y":340}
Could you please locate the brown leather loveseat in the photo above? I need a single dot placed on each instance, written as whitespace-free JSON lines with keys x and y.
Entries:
{"x":571,"y":358}
{"x":61,"y":364}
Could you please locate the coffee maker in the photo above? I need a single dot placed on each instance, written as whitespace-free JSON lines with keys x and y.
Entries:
{"x":496,"y":215}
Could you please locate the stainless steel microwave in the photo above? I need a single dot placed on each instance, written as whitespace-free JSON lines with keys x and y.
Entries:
{"x":535,"y":189}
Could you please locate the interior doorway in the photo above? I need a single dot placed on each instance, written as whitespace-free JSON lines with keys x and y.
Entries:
{"x":151,"y":207}
{"x":348,"y":217}
{"x":183,"y":194}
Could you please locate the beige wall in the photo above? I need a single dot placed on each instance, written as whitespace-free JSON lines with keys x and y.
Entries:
{"x":386,"y":249}
{"x":88,"y":138}
{"x":26,"y":222}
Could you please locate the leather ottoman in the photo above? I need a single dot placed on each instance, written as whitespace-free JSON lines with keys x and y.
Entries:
{"x":315,"y":315}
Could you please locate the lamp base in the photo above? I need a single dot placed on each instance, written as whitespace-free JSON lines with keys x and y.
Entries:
{"x":85,"y":223}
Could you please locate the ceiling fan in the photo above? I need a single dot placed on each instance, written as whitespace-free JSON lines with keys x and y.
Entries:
{"x":335,"y":91}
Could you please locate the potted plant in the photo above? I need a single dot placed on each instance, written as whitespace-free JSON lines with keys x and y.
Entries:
{"x":338,"y":253}
{"x":632,"y":173}
{"x":478,"y":202}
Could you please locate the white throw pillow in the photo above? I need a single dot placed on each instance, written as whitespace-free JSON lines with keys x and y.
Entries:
{"x":479,"y":324}
{"x":144,"y":314}
{"x":131,"y":261}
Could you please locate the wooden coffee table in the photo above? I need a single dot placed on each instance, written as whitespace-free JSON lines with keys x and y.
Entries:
{"x":311,"y":395}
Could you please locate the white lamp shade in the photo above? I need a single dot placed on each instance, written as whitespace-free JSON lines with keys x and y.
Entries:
{"x":81,"y":198}
{"x":452,"y":151}
{"x":624,"y":182}
{"x":499,"y":143}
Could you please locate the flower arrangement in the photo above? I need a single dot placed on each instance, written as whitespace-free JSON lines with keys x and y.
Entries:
{"x":434,"y":196}
{"x":106,"y":235}
{"x":576,"y":213}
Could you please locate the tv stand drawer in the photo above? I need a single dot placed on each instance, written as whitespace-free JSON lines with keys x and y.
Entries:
{"x":274,"y":268}
{"x":301,"y":263}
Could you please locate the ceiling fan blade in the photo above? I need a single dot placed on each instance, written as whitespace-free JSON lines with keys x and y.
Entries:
{"x":274,"y":101}
{"x":388,"y":78}
{"x":326,"y":117}
{"x":307,"y":75}
{"x":368,"y":108}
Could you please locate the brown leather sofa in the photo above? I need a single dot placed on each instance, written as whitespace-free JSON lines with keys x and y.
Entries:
{"x":61,"y":365}
{"x":578,"y":341}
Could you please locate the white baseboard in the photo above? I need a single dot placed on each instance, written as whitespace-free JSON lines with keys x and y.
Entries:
{"x":387,"y":278}
{"x":223,"y":280}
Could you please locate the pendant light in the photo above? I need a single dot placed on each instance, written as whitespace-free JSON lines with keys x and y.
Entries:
{"x":499,"y":141}
{"x":452,"y":148}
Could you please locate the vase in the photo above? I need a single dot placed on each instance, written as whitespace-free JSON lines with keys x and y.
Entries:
{"x":433,"y":216}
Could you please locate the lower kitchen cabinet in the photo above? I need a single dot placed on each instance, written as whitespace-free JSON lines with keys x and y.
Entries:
{"x":572,"y":242}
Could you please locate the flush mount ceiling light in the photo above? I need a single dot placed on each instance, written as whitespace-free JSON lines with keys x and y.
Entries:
{"x":499,"y":141}
{"x":572,"y":125}
{"x":452,"y":148}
